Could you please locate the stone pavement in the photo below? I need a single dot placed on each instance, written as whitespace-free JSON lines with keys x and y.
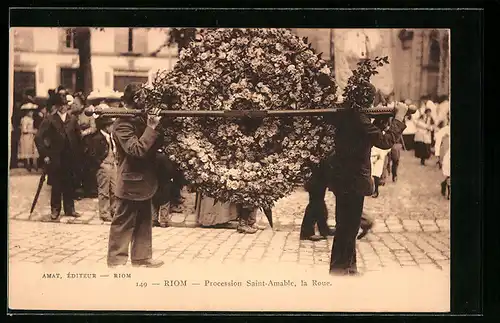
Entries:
{"x":413,"y":204}
{"x":57,"y":243}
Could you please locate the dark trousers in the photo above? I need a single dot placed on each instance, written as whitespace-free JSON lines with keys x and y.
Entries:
{"x":315,"y":213}
{"x":376,"y":182}
{"x":385,"y":170}
{"x":348,"y":213}
{"x":62,"y":186}
{"x":394,"y":164}
{"x":247,"y":216}
{"x":89,"y":181}
{"x":132,"y":225}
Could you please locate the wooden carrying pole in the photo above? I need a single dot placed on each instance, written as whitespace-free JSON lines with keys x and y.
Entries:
{"x":122,"y":112}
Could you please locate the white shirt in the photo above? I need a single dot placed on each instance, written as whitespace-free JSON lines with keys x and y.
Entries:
{"x":439,"y":138}
{"x":411,"y":128}
{"x":62,"y":115}
{"x":377,"y":159}
{"x":110,"y":141}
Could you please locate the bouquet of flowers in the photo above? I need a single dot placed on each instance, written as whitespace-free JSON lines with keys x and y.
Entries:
{"x":253,"y":162}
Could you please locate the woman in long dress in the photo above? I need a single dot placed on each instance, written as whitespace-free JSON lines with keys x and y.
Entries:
{"x":211,"y":213}
{"x":27,"y":149}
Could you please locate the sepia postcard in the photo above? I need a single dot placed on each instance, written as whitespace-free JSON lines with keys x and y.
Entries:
{"x":231,"y":169}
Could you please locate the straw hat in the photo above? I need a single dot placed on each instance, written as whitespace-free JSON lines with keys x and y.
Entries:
{"x":104,"y":94}
{"x":29,"y":106}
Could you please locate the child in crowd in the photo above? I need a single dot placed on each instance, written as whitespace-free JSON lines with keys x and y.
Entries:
{"x":102,"y":153}
{"x":377,"y":158}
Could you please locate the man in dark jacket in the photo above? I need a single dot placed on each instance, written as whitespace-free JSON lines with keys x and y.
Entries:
{"x":351,"y":178}
{"x":102,"y":157}
{"x":137,"y":141}
{"x":58,"y":141}
{"x":316,"y":212}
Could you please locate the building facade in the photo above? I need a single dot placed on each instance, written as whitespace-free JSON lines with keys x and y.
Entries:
{"x":43,"y":58}
{"x":419,"y":58}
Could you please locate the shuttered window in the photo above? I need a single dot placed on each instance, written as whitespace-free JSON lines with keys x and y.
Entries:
{"x":140,"y":40}
{"x":70,"y":39}
{"x":131,"y":40}
{"x":121,"y":40}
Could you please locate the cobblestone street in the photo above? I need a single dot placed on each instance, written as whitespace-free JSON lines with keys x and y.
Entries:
{"x":413,"y":204}
{"x":85,"y":245}
{"x":412,"y":229}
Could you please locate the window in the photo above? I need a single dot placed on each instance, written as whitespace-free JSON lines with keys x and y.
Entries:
{"x":23,"y":80}
{"x":131,"y":41}
{"x":406,"y":37}
{"x":121,"y":81}
{"x":69,"y":78}
{"x":434,"y":54}
{"x":70,"y":39}
{"x":434,"y":51}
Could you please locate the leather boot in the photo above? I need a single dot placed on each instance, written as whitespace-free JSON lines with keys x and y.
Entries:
{"x":243,"y":227}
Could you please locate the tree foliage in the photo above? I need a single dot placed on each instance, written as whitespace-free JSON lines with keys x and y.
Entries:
{"x":181,"y":37}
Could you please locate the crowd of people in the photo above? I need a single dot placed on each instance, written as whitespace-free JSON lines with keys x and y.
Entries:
{"x":427,"y":133}
{"x":78,"y":152}
{"x":118,"y":161}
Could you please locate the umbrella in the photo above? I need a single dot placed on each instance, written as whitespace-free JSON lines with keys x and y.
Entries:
{"x":269,"y":215}
{"x":38,"y":190}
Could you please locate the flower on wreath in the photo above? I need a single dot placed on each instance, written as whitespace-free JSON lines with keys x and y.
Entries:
{"x":253,"y":162}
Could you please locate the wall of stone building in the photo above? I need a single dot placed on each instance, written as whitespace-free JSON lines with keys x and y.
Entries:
{"x":422,"y":47}
{"x":319,"y":39}
{"x":352,"y":45}
{"x":417,"y":60}
{"x":402,"y":68}
{"x":384,"y":80}
{"x":444,"y":75}
{"x":41,"y":52}
{"x":406,"y":75}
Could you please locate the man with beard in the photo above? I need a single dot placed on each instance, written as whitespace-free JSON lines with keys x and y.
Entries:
{"x":58,"y":141}
{"x":137,"y":141}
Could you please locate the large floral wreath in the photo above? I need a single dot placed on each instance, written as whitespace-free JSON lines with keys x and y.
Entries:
{"x":253,"y":162}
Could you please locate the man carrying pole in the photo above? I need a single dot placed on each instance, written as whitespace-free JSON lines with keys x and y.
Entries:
{"x":351,"y":178}
{"x":137,"y":140}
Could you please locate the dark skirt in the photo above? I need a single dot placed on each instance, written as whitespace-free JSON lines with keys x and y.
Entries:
{"x":422,"y":150}
{"x":409,"y":141}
